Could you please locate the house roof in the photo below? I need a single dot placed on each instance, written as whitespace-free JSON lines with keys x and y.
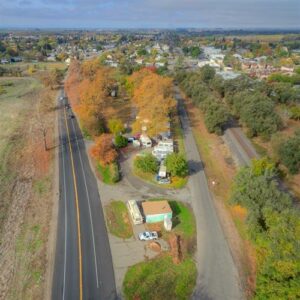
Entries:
{"x":156,"y":207}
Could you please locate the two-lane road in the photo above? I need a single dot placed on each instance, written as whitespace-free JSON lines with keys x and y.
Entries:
{"x":83,"y":263}
{"x":218,"y":277}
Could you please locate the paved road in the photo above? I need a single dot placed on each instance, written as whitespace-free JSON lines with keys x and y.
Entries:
{"x":240,"y":146}
{"x":83,"y":264}
{"x":218,"y":278}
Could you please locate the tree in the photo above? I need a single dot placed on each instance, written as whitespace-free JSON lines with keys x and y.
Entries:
{"x":116,"y":126}
{"x":53,"y":78}
{"x":284,"y":92}
{"x":207,"y":73}
{"x":177,"y":165}
{"x":263,"y":166}
{"x":120,"y":141}
{"x":103,"y":150}
{"x":94,"y":99}
{"x":152,"y":96}
{"x":257,"y":111}
{"x":216,"y":116}
{"x":289,"y":153}
{"x":147,"y":163}
{"x":258,"y":193}
{"x":279,"y":274}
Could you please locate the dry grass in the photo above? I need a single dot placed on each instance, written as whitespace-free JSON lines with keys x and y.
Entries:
{"x":117,"y":220}
{"x":28,"y":169}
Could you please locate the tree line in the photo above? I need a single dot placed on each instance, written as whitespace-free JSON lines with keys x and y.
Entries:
{"x":251,"y":102}
{"x":274,"y":227}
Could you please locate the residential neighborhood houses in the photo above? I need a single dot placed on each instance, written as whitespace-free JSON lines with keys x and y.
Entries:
{"x":174,"y":157}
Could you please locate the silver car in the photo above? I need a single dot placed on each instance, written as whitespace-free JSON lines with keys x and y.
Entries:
{"x":148,"y":236}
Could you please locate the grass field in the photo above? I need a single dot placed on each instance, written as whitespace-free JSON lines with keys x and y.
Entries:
{"x":160,"y":279}
{"x":15,"y":104}
{"x":185,"y":223}
{"x":117,"y":220}
{"x":25,"y":187}
{"x":109,"y":174}
{"x":43,"y":66}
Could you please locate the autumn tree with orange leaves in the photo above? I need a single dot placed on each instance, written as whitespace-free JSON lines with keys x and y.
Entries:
{"x":103,"y":150}
{"x":72,"y":82}
{"x":94,"y":91}
{"x":152,"y":96}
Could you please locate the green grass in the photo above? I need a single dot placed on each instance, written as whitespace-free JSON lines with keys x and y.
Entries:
{"x":109,"y":174}
{"x":176,"y":182}
{"x":259,"y":149}
{"x":184,"y":220}
{"x":117,"y":220}
{"x":42,"y":186}
{"x":160,"y":279}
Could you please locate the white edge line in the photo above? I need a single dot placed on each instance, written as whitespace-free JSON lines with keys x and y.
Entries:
{"x":88,"y":197}
{"x":66,"y":215}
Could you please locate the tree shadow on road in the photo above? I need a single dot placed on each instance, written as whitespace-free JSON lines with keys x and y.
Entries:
{"x":195,"y":166}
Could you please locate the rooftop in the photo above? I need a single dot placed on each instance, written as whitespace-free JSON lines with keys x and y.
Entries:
{"x":156,"y":207}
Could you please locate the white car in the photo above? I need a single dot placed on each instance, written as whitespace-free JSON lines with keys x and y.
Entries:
{"x":148,"y":236}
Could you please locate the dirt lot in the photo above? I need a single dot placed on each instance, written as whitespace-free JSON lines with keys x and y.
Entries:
{"x":220,"y":171}
{"x":26,"y":171}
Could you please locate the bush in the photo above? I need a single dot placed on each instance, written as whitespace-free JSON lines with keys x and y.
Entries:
{"x":289,"y":153}
{"x":109,"y":173}
{"x":294,"y":113}
{"x":177,"y":165}
{"x":115,"y":126}
{"x":147,"y":163}
{"x":121,"y":141}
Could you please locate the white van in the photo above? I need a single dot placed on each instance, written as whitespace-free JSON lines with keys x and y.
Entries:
{"x":145,"y":141}
{"x":134,"y":212}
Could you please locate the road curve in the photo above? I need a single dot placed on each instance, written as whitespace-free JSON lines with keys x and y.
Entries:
{"x":83,"y":264}
{"x":218,"y":277}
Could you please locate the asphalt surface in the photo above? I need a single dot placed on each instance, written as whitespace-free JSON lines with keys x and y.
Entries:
{"x":83,"y":263}
{"x":240,"y":146}
{"x":218,"y":277}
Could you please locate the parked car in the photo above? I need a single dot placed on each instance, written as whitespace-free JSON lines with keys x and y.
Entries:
{"x":148,"y":236}
{"x":162,"y":180}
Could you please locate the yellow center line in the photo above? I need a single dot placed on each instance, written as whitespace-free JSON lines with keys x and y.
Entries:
{"x":77,"y":208}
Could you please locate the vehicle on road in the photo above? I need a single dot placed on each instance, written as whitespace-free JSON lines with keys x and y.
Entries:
{"x":148,"y":236}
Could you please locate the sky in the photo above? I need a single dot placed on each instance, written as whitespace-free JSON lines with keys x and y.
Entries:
{"x":150,"y":13}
